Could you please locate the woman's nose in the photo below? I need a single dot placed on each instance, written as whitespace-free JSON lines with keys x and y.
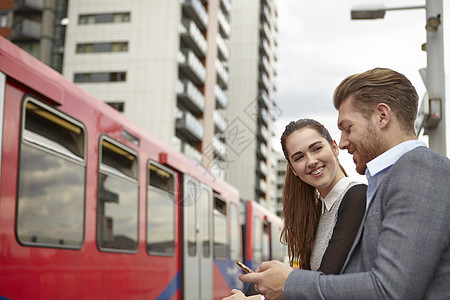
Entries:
{"x":312,"y":161}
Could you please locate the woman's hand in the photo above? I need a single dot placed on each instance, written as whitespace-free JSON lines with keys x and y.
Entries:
{"x":237,"y":294}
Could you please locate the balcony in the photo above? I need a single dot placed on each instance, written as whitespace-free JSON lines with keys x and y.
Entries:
{"x":25,"y":30}
{"x":265,"y":13}
{"x":262,"y":186}
{"x":197,"y":12}
{"x":266,"y":31}
{"x":224,"y":51}
{"x":190,"y":96}
{"x":219,"y":147}
{"x":262,"y":168}
{"x":189,"y":126}
{"x":224,"y":25}
{"x":264,"y":99}
{"x":220,"y":123}
{"x":222,"y":73}
{"x":193,"y":38}
{"x":263,"y":133}
{"x":221,"y":97}
{"x":191,"y":67}
{"x":225,"y":6}
{"x":28,"y":6}
{"x":191,"y":152}
{"x":264,"y":63}
{"x":264,"y":116}
{"x":264,"y":82}
{"x":217,"y":170}
{"x":262,"y":151}
{"x":265,"y":48}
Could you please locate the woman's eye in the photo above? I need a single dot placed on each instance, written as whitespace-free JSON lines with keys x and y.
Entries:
{"x":298,"y":158}
{"x":318,"y":148}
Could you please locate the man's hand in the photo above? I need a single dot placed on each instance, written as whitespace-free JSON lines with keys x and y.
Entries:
{"x":269,"y":279}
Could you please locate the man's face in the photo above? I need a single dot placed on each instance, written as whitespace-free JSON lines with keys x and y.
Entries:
{"x":359,"y":136}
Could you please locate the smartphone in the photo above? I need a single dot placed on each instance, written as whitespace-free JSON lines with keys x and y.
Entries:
{"x":244,"y":267}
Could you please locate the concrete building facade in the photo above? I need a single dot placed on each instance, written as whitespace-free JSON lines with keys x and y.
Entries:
{"x":252,"y":108}
{"x":163,"y":63}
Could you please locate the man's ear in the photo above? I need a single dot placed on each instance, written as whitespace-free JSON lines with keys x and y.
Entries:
{"x":335,"y":148}
{"x":382,"y":115}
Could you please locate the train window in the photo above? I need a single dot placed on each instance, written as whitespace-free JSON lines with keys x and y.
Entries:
{"x":234,"y":233}
{"x":206,"y":220}
{"x":191,"y":196}
{"x":160,"y":210}
{"x":265,"y":242}
{"x":220,"y":228}
{"x":52,"y":175}
{"x":117,"y":208}
{"x":277,"y":251}
{"x":257,"y":251}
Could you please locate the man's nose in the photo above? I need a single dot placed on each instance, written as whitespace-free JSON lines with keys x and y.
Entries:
{"x":343,"y":143}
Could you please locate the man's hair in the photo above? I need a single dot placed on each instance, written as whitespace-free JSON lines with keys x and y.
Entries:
{"x":380,"y":85}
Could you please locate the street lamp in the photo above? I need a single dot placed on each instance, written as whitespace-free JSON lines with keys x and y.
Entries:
{"x":433,"y":76}
{"x":375,"y":11}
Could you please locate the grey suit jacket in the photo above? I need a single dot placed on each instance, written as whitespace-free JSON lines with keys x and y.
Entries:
{"x":402,"y":248}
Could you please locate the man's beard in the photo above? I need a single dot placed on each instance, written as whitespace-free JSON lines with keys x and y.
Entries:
{"x":370,"y":147}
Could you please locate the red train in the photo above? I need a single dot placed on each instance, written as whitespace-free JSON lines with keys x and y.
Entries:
{"x":94,"y":207}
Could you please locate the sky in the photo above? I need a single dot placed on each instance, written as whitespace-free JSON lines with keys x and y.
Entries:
{"x":319,"y":45}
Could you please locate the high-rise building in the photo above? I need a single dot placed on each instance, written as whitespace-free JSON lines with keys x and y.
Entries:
{"x":280,"y":173}
{"x":163,"y":63}
{"x":36,"y":26}
{"x":252,"y":108}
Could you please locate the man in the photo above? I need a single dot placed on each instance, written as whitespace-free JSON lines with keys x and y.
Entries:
{"x":402,"y":248}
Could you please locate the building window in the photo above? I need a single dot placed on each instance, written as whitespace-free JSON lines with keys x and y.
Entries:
{"x":102,"y":47}
{"x":3,"y":19}
{"x":100,"y":77}
{"x":119,"y":106}
{"x":104,"y":18}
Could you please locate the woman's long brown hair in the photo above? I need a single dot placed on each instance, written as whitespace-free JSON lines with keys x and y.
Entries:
{"x":301,"y":204}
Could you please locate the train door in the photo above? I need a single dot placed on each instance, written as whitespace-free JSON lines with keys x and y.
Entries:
{"x":197,"y":243}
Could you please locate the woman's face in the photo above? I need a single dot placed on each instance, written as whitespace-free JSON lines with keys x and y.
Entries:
{"x":313,"y":159}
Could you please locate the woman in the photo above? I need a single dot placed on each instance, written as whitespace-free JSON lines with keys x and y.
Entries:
{"x":322,"y":207}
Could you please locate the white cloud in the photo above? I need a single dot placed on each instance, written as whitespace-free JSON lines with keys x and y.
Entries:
{"x":319,"y":46}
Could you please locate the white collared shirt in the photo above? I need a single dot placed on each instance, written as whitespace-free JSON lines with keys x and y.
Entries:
{"x":377,"y":168}
{"x":334,"y":194}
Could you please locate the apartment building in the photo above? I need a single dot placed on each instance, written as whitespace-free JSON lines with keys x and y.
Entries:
{"x":252,"y":108}
{"x":280,"y":172}
{"x":37,"y":26}
{"x":163,"y":63}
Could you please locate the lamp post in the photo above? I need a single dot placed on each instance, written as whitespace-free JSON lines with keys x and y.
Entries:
{"x":433,"y":121}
